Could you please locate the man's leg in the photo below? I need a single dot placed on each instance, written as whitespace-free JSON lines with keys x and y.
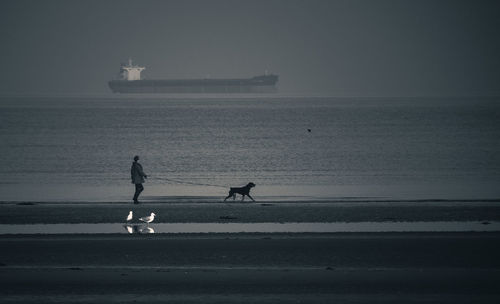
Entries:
{"x":138,"y":190}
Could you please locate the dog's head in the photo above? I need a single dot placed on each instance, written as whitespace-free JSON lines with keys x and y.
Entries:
{"x":251,"y":185}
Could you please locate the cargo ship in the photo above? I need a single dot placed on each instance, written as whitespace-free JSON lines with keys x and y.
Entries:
{"x":130,"y":81}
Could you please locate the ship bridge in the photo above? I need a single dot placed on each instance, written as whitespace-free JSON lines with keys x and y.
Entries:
{"x":131,"y":72}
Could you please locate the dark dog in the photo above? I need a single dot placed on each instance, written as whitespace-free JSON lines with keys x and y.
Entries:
{"x":241,"y":190}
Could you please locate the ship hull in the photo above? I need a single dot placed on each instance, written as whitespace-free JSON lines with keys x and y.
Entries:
{"x":258,"y":84}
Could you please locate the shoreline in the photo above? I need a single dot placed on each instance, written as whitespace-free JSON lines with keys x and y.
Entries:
{"x":174,"y":200}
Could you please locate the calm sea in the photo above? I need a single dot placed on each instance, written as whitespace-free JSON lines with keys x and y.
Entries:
{"x":81,"y":148}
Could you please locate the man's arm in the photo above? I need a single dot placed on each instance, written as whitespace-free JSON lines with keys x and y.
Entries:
{"x":141,"y":172}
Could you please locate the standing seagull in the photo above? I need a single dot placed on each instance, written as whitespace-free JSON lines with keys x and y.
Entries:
{"x":148,"y":219}
{"x":130,"y":216}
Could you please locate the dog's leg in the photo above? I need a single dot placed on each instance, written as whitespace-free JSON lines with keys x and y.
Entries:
{"x":230,"y":194}
{"x":243,"y":197}
{"x":234,"y":196}
{"x":250,"y":197}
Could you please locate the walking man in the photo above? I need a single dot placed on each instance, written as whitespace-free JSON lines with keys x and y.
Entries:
{"x":138,"y":177}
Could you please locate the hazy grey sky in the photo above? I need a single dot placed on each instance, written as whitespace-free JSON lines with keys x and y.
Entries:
{"x":317,"y":47}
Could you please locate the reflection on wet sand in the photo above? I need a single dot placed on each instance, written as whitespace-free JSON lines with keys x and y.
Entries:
{"x":302,"y":227}
{"x":138,"y":229}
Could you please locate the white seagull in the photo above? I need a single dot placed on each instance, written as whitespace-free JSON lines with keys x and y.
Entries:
{"x":130,"y":216}
{"x":148,"y":219}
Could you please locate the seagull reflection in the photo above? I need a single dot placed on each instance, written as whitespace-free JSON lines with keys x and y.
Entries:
{"x":146,"y":230}
{"x":129,"y":228}
{"x":138,"y":229}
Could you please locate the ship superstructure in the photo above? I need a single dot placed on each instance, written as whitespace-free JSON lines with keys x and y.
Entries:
{"x":131,"y":72}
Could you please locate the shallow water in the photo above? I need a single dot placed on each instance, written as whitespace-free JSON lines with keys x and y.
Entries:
{"x":175,"y":228}
{"x":80,"y":149}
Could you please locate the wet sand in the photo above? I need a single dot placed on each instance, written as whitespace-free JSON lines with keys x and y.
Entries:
{"x":250,"y":268}
{"x":430,"y":267}
{"x":269,"y":212}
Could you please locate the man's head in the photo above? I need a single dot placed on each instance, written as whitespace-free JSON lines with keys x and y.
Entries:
{"x":136,"y":158}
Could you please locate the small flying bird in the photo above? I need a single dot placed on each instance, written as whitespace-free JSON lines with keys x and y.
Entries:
{"x":148,"y":219}
{"x":130,"y":216}
{"x":309,"y":130}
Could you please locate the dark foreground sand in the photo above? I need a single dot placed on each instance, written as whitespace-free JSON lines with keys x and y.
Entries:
{"x":252,"y":268}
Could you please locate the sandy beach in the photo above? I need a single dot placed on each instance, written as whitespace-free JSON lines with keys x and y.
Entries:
{"x":284,"y":268}
{"x":430,"y":267}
